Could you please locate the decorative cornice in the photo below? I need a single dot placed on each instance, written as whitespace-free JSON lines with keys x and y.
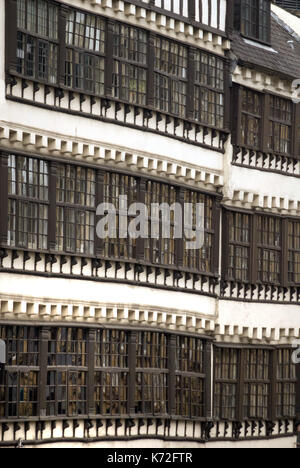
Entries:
{"x":52,"y":312}
{"x":159,"y":21}
{"x":270,"y":204}
{"x":27,"y":139}
{"x":261,"y":81}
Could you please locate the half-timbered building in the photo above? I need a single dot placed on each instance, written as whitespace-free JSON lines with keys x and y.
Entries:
{"x":135,"y":341}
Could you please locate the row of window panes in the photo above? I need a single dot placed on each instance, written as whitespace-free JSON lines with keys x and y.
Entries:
{"x":85,"y":68}
{"x":38,"y":17}
{"x":255,"y":19}
{"x":269,"y":251}
{"x":67,"y":375}
{"x":75,"y":212}
{"x":256,"y":390}
{"x":280,"y":122}
{"x":28,"y":221}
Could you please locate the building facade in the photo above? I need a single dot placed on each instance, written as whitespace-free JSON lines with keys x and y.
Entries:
{"x":142,"y":342}
{"x":292,"y":6}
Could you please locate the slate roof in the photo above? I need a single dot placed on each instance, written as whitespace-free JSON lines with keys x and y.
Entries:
{"x":285,"y":62}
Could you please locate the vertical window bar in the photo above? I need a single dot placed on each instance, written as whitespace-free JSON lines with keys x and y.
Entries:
{"x":132,"y":371}
{"x":3,"y":198}
{"x":10,"y":35}
{"x":45,"y":335}
{"x":91,"y":371}
{"x":62,"y":28}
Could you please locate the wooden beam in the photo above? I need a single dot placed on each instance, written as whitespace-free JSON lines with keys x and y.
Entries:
{"x":10,"y":35}
{"x":3,"y":198}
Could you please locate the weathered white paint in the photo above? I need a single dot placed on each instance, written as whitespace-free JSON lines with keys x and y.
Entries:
{"x":259,"y":45}
{"x":267,"y":322}
{"x":71,"y":291}
{"x":281,"y":443}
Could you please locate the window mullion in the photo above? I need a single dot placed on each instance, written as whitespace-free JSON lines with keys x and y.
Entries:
{"x":226,"y":229}
{"x":237,"y":115}
{"x":44,"y":339}
{"x":192,"y":10}
{"x":254,"y":250}
{"x":179,"y":243}
{"x":172,"y":374}
{"x":208,"y":377}
{"x":132,"y":371}
{"x":272,"y":391}
{"x":284,"y":252}
{"x":151,"y":60}
{"x":296,"y":132}
{"x":91,"y":371}
{"x":3,"y":199}
{"x":100,"y":176}
{"x":140,"y":242}
{"x":265,"y":127}
{"x":52,"y":206}
{"x":298,"y":393}
{"x":241,"y":385}
{"x":62,"y":21}
{"x":10,"y":35}
{"x":109,"y":57}
{"x":190,"y":111}
{"x":216,"y":217}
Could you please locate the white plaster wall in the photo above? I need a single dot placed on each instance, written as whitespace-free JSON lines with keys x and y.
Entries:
{"x":281,"y":443}
{"x":262,"y":183}
{"x":249,"y":315}
{"x":146,"y":143}
{"x":232,"y":314}
{"x":60,"y":124}
{"x":74,"y":291}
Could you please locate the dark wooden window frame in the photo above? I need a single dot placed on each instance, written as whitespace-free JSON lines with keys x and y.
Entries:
{"x":136,"y":65}
{"x":21,"y":366}
{"x":174,"y":81}
{"x":45,"y":359}
{"x":49,"y":361}
{"x":236,"y":244}
{"x":269,"y":249}
{"x":221,"y":380}
{"x":60,"y":85}
{"x":88,"y":209}
{"x":106,"y":371}
{"x":255,"y":245}
{"x":250,"y":116}
{"x":191,"y":381}
{"x":266,"y":121}
{"x":152,"y":373}
{"x":242,"y":381}
{"x":25,"y":204}
{"x":285,"y":379}
{"x":38,"y":42}
{"x":240,"y":18}
{"x":85,"y":54}
{"x":293,"y":252}
{"x":71,"y":362}
{"x":281,"y":122}
{"x":209,"y":87}
{"x":99,"y":198}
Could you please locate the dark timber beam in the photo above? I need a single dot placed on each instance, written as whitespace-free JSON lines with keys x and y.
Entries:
{"x":10,"y":35}
{"x":3,"y":198}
